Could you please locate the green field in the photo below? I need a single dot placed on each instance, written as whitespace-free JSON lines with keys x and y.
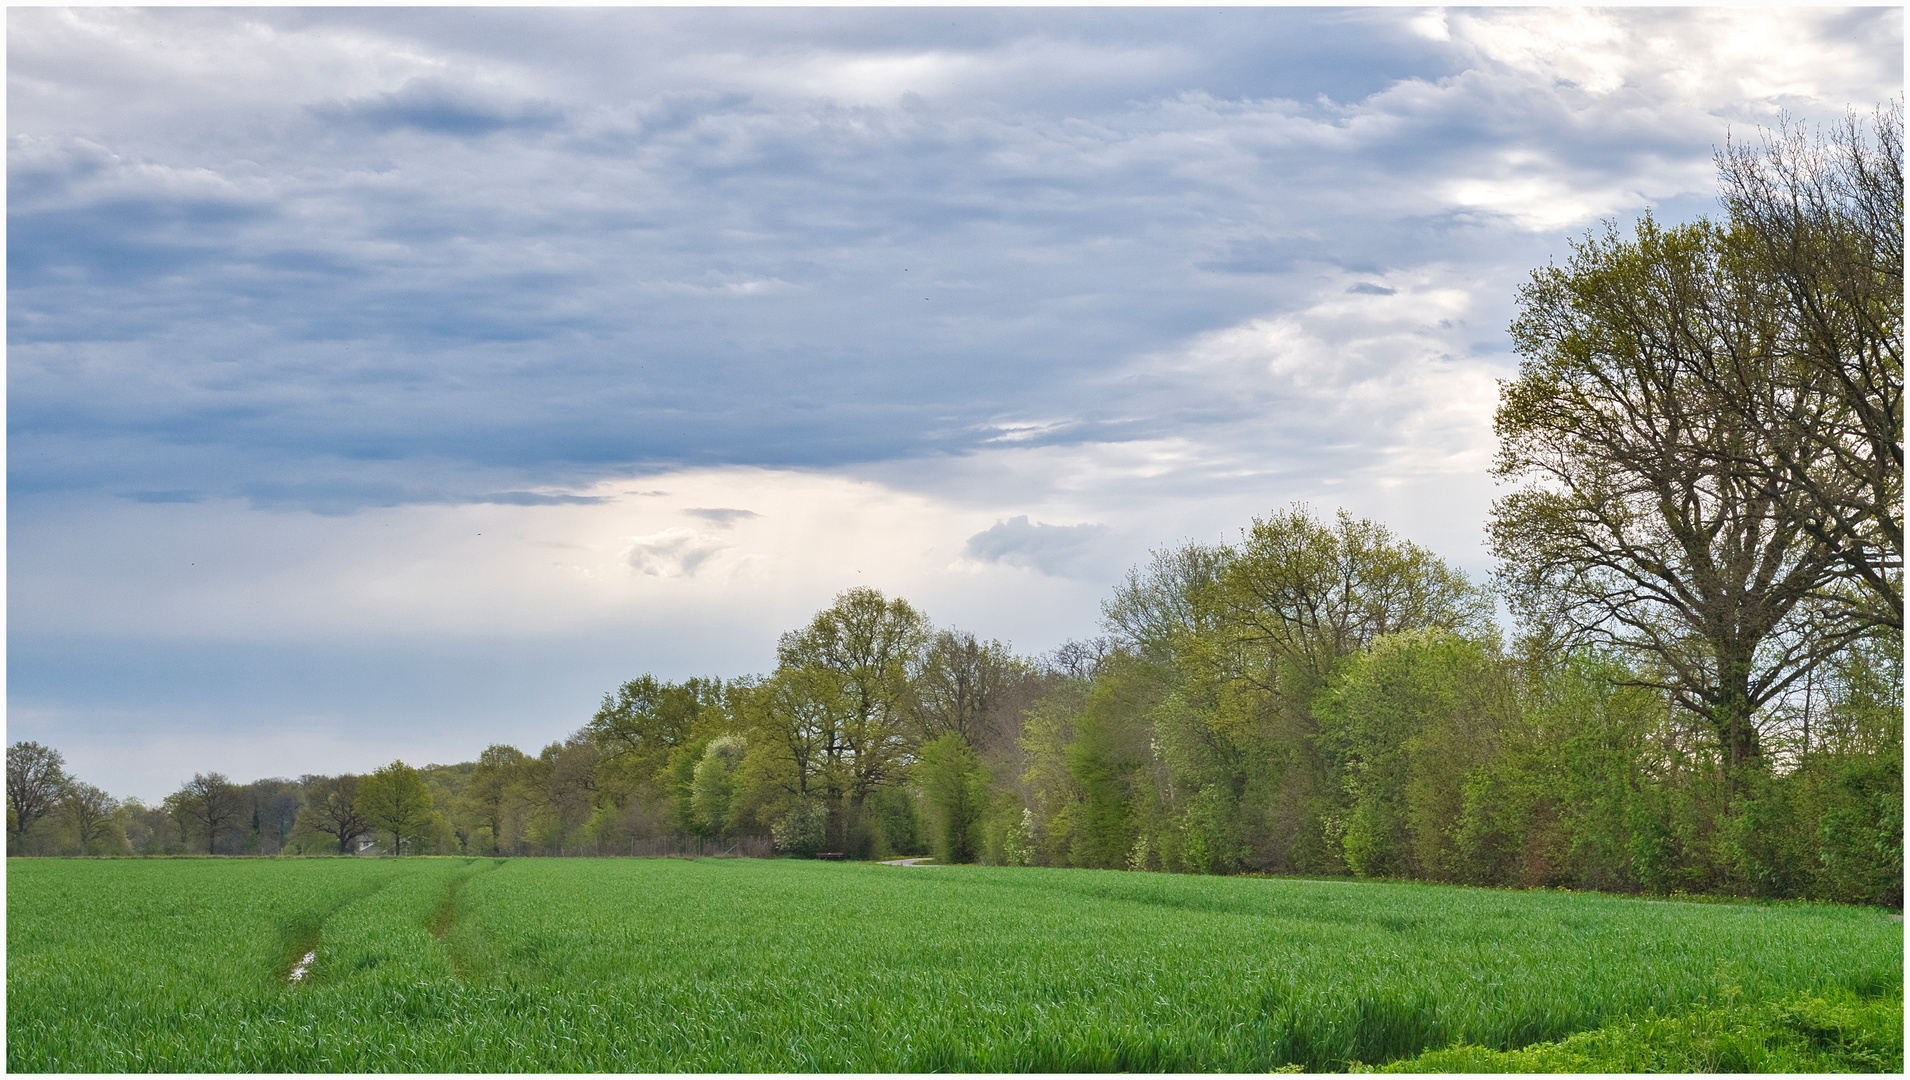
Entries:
{"x":746,"y":965}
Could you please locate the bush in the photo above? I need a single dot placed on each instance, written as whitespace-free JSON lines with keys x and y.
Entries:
{"x":800,"y":829}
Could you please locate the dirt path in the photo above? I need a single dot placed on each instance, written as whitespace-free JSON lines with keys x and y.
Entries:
{"x":917,"y":861}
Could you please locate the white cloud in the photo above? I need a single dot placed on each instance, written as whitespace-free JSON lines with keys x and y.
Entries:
{"x":887,"y":77}
{"x":673,"y":552}
{"x":1739,"y":63}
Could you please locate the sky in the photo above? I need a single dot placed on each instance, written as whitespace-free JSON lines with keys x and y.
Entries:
{"x":386,"y":383}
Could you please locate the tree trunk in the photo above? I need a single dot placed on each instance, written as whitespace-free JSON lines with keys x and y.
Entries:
{"x":1732,"y":718}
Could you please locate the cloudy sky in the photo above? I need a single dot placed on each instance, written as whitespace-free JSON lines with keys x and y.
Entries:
{"x":386,"y":383}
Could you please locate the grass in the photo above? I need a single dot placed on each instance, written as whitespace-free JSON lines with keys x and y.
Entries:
{"x":746,"y":965}
{"x":1835,"y":1032}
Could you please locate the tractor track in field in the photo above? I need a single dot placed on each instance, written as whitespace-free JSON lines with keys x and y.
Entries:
{"x":445,"y":913}
{"x":303,"y":938}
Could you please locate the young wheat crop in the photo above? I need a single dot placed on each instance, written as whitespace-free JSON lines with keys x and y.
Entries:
{"x":747,"y":965}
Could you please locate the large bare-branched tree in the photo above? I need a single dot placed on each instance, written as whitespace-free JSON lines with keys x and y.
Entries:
{"x":1823,"y":217}
{"x":89,"y":810}
{"x":961,"y":685}
{"x":331,"y":807}
{"x":208,"y":803}
{"x":1642,"y":524}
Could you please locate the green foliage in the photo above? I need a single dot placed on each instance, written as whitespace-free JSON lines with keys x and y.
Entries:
{"x":896,"y":823}
{"x":736,"y":965}
{"x":488,"y":795}
{"x":1412,"y":720}
{"x":1014,"y":839}
{"x":88,"y":813}
{"x":713,"y":785}
{"x":1836,"y":1032}
{"x":645,"y":719}
{"x":36,"y":781}
{"x":836,"y":716}
{"x":955,"y":787}
{"x":960,"y":682}
{"x":331,"y":816}
{"x":395,"y":801}
{"x":1107,"y":752}
{"x":802,"y":827}
{"x":1311,"y":594}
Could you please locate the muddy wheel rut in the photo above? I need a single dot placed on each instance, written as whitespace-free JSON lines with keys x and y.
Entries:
{"x":445,"y":914}
{"x":303,"y":938}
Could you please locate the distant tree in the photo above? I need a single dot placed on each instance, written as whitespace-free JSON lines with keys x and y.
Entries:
{"x":1310,"y":594}
{"x":1160,"y":611}
{"x":209,"y":804}
{"x":269,"y":812}
{"x":36,"y":780}
{"x":395,"y":800}
{"x":1413,"y":717}
{"x":450,"y":795}
{"x":90,"y":813}
{"x":568,"y":791}
{"x":1076,"y":659}
{"x":638,"y":728}
{"x":1105,"y":758}
{"x":867,"y":646}
{"x":791,"y":721}
{"x":1204,"y":735}
{"x":961,"y":683}
{"x":150,"y":830}
{"x":492,"y":782}
{"x":715,"y":784}
{"x":956,"y":789}
{"x":802,"y":828}
{"x":331,"y":808}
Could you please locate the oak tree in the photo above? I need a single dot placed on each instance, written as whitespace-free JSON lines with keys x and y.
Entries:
{"x":331,"y":807}
{"x":209,"y":804}
{"x":36,"y":779}
{"x":395,"y":800}
{"x":1639,"y":525}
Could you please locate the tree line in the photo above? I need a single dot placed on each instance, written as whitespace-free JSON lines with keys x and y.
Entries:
{"x":397,"y":809}
{"x":1701,"y":544}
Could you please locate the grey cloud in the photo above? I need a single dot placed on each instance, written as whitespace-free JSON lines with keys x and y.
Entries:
{"x":532,"y":498}
{"x":711,"y":247}
{"x":1055,"y":550}
{"x":722,"y":517}
{"x":1370,"y":289}
{"x":438,"y":107}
